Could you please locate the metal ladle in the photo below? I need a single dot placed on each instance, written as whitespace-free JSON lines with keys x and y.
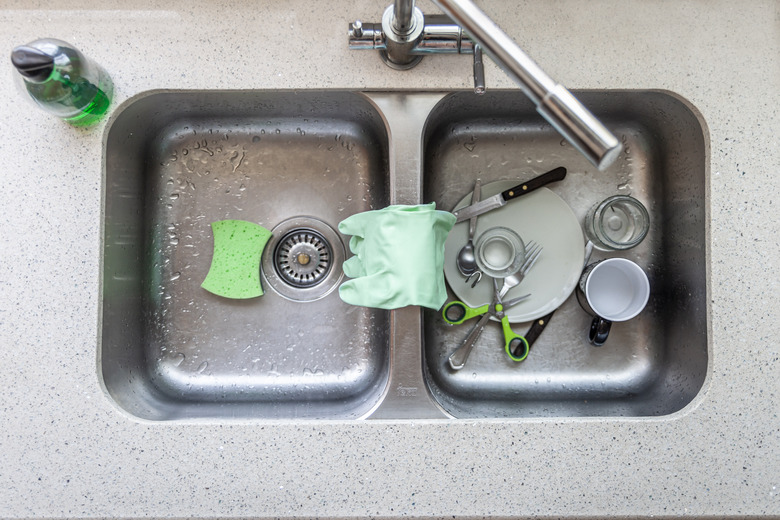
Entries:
{"x":466,"y":259}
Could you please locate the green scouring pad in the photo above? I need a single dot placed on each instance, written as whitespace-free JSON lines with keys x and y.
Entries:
{"x":235,"y":266}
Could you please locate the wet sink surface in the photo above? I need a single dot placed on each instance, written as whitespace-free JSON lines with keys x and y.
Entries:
{"x":175,"y":163}
{"x":652,"y":365}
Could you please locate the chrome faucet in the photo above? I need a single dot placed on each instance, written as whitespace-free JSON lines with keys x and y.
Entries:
{"x":405,"y":36}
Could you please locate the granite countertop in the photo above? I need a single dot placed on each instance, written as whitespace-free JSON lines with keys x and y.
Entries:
{"x":69,"y":452}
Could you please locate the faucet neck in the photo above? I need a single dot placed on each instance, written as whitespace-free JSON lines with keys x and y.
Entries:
{"x":403,"y":11}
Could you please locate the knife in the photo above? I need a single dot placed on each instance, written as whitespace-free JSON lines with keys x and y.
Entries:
{"x":496,"y":201}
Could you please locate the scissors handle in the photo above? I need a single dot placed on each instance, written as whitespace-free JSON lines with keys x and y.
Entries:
{"x":457,"y":312}
{"x":515,"y":345}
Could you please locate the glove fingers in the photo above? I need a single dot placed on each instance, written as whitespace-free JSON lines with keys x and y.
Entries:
{"x":353,"y":225}
{"x":354,"y":267}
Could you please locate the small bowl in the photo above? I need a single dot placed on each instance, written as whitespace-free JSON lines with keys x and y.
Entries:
{"x":500,"y":252}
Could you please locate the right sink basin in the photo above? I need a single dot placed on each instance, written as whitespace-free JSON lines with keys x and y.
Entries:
{"x":652,"y":365}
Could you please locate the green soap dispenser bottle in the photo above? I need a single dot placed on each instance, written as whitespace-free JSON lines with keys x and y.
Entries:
{"x":62,"y":81}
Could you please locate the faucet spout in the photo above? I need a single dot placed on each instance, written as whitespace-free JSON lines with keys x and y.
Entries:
{"x":553,"y":101}
{"x":406,"y":35}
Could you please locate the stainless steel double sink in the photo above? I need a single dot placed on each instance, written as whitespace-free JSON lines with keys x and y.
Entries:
{"x":299,"y":162}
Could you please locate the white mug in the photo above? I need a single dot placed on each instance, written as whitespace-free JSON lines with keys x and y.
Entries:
{"x":616,"y":289}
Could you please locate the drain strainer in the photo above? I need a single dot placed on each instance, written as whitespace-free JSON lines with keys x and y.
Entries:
{"x":302,"y":261}
{"x":302,"y":258}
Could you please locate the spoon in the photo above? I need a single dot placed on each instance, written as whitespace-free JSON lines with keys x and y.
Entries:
{"x":466,"y":259}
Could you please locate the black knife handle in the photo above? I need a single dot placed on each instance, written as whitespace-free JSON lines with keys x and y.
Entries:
{"x":558,"y":174}
{"x":536,"y":329}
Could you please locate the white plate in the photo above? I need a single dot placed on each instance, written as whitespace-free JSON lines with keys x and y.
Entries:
{"x":541,"y":216}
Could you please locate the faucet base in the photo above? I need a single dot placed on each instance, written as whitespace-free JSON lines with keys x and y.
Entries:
{"x":414,"y":60}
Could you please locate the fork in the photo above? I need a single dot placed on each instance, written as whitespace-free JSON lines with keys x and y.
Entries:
{"x":533,"y":252}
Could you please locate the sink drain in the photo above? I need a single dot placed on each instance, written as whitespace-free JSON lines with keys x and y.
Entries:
{"x":303,"y":258}
{"x":302,"y":261}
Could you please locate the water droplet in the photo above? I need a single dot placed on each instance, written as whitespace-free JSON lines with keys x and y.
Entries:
{"x":202,"y":367}
{"x":256,"y":139}
{"x":177,"y":359}
{"x":470,"y":146}
{"x":175,"y":276}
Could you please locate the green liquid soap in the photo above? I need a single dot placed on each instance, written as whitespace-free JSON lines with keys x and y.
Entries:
{"x":63,"y":82}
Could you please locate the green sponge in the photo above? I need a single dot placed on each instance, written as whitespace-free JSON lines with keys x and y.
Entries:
{"x":235,"y":266}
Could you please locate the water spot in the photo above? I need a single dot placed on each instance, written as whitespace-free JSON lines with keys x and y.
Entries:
{"x":256,"y":139}
{"x":470,"y":146}
{"x":177,"y":359}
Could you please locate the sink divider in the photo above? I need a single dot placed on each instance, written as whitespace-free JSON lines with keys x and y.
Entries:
{"x":407,"y":395}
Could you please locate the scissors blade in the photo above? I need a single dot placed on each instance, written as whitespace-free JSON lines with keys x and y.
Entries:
{"x":515,"y":301}
{"x":458,"y":358}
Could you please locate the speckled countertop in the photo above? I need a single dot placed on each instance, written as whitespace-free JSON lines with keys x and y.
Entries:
{"x":68,"y":452}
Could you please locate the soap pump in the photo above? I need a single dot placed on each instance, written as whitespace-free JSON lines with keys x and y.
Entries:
{"x":62,"y":81}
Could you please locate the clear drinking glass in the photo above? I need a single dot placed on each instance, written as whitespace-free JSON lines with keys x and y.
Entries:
{"x":617,"y":223}
{"x":500,"y":252}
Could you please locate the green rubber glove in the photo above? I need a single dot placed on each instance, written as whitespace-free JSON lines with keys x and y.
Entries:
{"x":399,"y":257}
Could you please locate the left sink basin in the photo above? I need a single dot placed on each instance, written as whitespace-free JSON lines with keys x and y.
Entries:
{"x":291,"y":161}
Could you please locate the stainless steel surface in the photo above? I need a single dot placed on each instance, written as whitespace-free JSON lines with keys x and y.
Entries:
{"x":532,"y":253}
{"x":404,"y":28}
{"x":652,"y":365}
{"x":176,"y":161}
{"x":467,"y":261}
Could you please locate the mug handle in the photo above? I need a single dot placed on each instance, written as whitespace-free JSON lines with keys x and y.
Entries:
{"x":599,"y":330}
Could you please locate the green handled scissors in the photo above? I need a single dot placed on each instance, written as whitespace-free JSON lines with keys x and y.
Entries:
{"x":456,"y":312}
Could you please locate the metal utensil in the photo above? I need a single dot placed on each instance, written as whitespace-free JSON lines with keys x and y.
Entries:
{"x":496,"y":201}
{"x":512,"y":342}
{"x":466,"y":260}
{"x":533,"y":251}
